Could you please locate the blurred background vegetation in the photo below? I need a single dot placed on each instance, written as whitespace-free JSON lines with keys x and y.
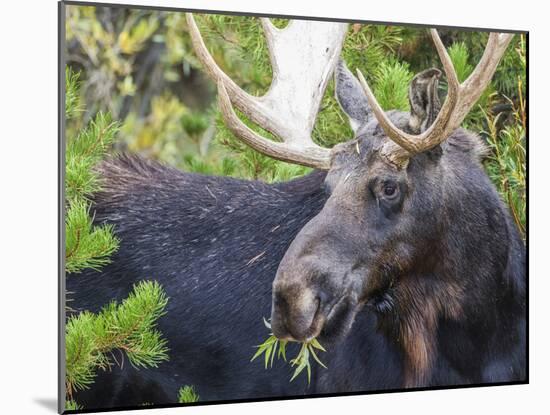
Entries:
{"x":139,"y":66}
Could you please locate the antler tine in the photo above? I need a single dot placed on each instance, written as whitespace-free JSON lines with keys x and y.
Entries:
{"x":460,"y":99}
{"x":270,"y":33}
{"x":303,"y":56}
{"x":244,"y":101}
{"x":475,"y":84}
{"x":270,"y":30}
{"x":317,"y":157}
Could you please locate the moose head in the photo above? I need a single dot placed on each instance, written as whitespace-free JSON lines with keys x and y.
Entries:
{"x":391,"y":233}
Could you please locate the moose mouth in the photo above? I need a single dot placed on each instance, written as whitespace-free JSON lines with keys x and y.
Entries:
{"x":340,"y":319}
{"x":330,"y":324}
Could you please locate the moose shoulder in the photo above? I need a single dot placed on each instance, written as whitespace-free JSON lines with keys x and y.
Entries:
{"x":399,"y":255}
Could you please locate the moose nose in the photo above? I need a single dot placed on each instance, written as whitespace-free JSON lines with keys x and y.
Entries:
{"x":296,"y":314}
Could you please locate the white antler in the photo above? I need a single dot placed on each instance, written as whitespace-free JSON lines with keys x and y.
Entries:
{"x":303,"y":56}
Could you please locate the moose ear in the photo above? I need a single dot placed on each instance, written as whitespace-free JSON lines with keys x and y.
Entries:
{"x":350,"y":96}
{"x":424,"y":100}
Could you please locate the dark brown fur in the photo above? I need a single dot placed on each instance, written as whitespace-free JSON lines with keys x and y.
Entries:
{"x":437,"y":256}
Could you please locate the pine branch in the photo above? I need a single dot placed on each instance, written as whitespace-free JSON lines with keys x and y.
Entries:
{"x":187,"y":394}
{"x":130,"y":327}
{"x":83,"y":152}
{"x":72,"y":406}
{"x":72,"y":87}
{"x":392,"y":85}
{"x":86,"y":246}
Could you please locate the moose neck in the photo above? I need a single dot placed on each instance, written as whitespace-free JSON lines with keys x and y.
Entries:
{"x":451,"y":306}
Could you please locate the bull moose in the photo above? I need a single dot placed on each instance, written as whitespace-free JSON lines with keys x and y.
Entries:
{"x":396,"y":252}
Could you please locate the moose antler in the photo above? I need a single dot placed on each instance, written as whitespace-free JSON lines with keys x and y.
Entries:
{"x":461,"y":97}
{"x":303,"y":56}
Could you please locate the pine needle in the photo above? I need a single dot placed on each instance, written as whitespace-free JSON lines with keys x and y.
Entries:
{"x":129,"y":326}
{"x":269,"y":349}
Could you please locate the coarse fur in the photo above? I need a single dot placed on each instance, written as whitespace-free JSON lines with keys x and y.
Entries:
{"x":214,"y":244}
{"x":426,"y":288}
{"x":431,"y":248}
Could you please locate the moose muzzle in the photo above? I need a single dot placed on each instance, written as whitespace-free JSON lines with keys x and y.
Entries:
{"x":297,"y":312}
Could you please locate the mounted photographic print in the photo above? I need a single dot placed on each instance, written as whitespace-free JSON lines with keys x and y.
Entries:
{"x":276,"y":207}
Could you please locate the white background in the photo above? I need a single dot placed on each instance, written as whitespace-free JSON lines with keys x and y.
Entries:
{"x":28,"y":211}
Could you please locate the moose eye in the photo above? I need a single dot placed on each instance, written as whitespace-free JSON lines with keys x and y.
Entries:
{"x":387,"y":192}
{"x":390,"y":189}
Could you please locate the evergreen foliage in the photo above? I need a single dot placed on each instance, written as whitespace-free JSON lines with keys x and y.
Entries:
{"x":72,"y":99}
{"x":507,"y":162}
{"x":91,"y":339}
{"x":272,"y":347}
{"x":86,"y":246}
{"x":72,"y":406}
{"x":392,"y":85}
{"x":187,"y":394}
{"x":460,"y":56}
{"x":172,"y":115}
{"x":83,"y":151}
